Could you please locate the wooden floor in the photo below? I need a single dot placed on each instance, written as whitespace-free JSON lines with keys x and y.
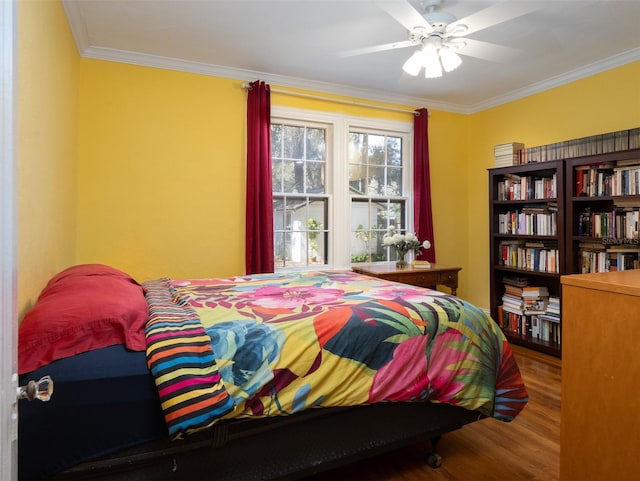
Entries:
{"x":527,"y":448}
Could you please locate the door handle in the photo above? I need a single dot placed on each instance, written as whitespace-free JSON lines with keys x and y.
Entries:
{"x":42,"y":390}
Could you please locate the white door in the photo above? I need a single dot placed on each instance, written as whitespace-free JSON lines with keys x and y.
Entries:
{"x":8,"y":312}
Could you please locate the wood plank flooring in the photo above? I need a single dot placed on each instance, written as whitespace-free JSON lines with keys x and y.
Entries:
{"x":526,"y":449}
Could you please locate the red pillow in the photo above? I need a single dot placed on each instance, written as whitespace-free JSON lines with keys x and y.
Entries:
{"x":84,"y":307}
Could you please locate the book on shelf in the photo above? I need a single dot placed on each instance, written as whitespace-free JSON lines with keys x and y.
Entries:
{"x":549,"y":328}
{"x":517,"y":254}
{"x":533,"y":292}
{"x":518,"y":281}
{"x":624,"y":258}
{"x":513,"y":290}
{"x":535,"y":309}
{"x":553,"y":307}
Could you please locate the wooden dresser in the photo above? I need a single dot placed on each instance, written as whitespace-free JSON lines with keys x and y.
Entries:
{"x":437,"y":274}
{"x":600,"y":413}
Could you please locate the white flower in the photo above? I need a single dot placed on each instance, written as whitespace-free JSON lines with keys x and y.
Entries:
{"x":403,"y":242}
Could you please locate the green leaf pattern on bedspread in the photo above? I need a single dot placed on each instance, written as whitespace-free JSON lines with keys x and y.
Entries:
{"x":288,"y":342}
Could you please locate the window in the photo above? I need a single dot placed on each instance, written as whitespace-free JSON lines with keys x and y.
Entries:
{"x":300,"y":201}
{"x":338,"y":183}
{"x":376,"y":187}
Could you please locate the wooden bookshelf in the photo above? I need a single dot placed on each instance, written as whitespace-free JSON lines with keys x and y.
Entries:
{"x":597,"y":223}
{"x":526,"y":211}
{"x":603,"y":212}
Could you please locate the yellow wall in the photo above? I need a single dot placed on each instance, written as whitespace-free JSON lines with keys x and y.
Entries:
{"x":47,"y":70}
{"x":161,"y":176}
{"x":602,"y":103}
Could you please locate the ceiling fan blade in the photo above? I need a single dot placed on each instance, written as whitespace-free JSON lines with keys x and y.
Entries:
{"x":376,"y":48}
{"x":493,"y":15}
{"x":488,"y":51}
{"x":404,"y":13}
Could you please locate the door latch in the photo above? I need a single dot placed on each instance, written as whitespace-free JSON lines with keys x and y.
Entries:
{"x":42,"y":390}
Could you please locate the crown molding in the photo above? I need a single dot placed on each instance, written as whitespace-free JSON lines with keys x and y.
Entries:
{"x":77,"y":24}
{"x":147,"y":60}
{"x":559,"y":80}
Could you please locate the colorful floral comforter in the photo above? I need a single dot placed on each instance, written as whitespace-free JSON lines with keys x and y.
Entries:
{"x":275,"y":344}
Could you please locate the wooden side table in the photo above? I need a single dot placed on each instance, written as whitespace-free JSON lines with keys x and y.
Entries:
{"x":436,"y":275}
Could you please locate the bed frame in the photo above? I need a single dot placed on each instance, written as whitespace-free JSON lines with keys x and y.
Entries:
{"x":282,"y":448}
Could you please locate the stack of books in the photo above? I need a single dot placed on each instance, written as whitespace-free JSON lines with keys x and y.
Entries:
{"x":535,"y":300}
{"x":510,"y":313}
{"x":529,"y":310}
{"x":508,"y":154}
{"x":546,"y":326}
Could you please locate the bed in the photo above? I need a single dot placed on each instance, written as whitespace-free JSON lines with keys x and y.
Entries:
{"x":270,"y":376}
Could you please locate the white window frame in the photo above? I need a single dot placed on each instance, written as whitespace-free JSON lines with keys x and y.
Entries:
{"x":339,"y":126}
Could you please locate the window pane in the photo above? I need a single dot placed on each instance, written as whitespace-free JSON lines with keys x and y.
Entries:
{"x":279,"y":249}
{"x":394,"y":181}
{"x":302,"y":239}
{"x":293,"y":138}
{"x":315,"y":177}
{"x":376,"y":150}
{"x":396,"y":215}
{"x":356,"y":148}
{"x":377,"y":184}
{"x":360,"y":233}
{"x":276,"y":167}
{"x":366,"y":236}
{"x":315,"y":144}
{"x":276,"y":140}
{"x":317,"y":231}
{"x":394,"y":151}
{"x":293,"y":180}
{"x":278,"y":214}
{"x":357,"y":178}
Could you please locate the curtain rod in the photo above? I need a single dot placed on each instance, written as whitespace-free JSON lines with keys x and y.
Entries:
{"x":247,"y":86}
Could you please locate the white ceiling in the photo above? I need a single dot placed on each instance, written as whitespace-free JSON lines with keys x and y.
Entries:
{"x":298,"y":43}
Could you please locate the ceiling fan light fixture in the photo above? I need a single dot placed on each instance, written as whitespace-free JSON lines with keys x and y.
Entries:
{"x":432,"y":68}
{"x":414,"y":63}
{"x":450,"y":59}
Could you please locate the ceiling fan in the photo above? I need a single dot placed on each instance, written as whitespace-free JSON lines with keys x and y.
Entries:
{"x":440,"y":37}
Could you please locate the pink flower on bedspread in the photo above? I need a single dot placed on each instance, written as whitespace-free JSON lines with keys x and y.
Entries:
{"x":408,"y":293}
{"x":273,"y":297}
{"x":404,"y":378}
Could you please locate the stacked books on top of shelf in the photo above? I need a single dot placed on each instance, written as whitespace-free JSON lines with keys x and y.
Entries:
{"x":618,"y":141}
{"x":507,"y":154}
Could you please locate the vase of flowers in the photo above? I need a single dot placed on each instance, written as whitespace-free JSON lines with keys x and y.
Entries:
{"x":403,"y":243}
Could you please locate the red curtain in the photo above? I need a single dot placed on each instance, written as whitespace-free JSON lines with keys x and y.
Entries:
{"x":259,"y":211}
{"x":422,"y":212}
